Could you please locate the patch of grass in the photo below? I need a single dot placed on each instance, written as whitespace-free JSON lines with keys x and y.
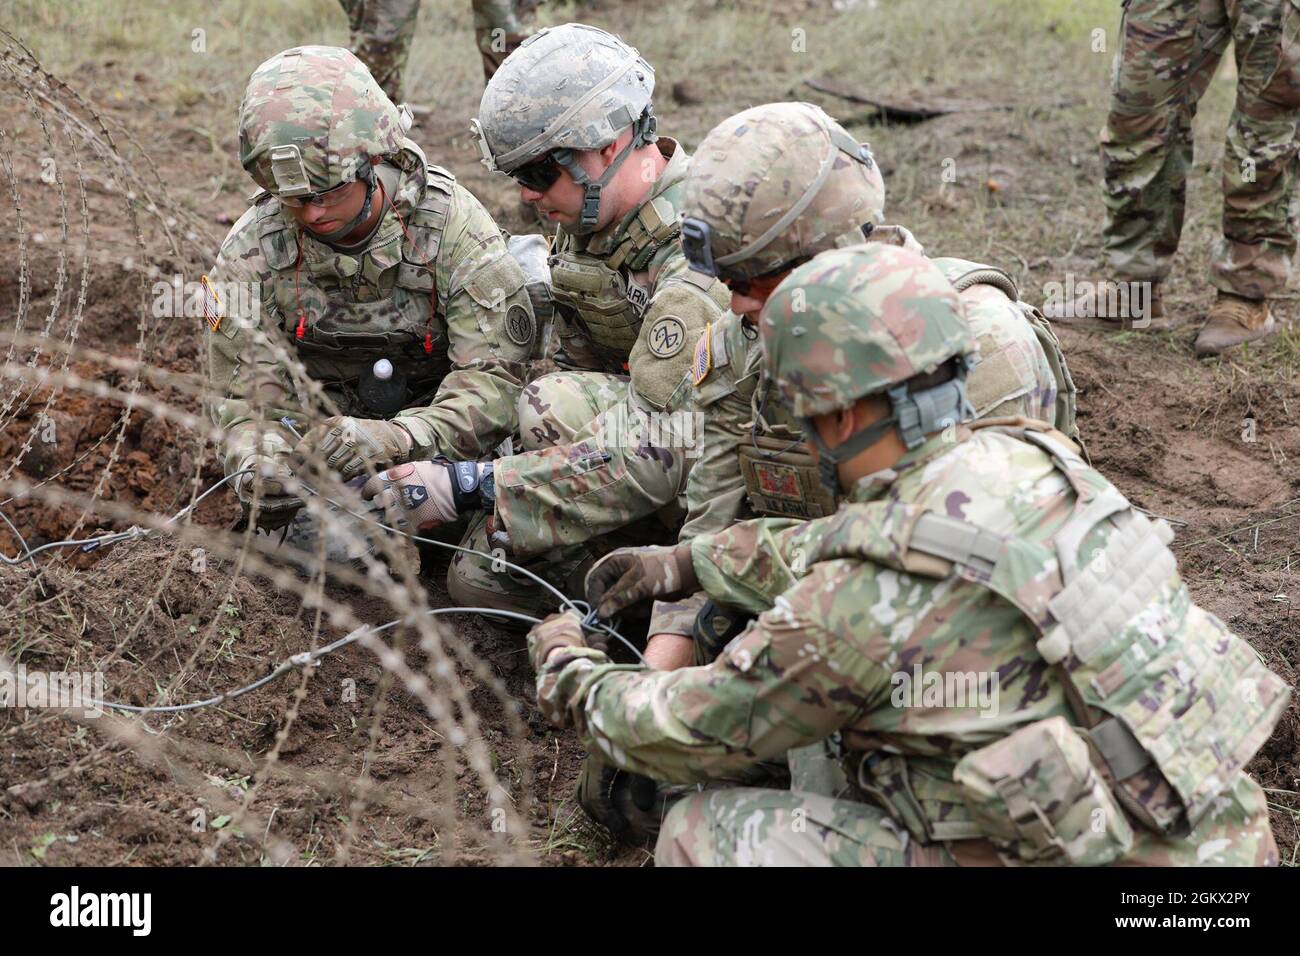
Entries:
{"x":571,"y":830}
{"x":1289,"y":811}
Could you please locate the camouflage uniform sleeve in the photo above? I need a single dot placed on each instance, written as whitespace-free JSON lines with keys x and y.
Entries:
{"x":1013,"y":376}
{"x":715,"y":491}
{"x":248,"y":353}
{"x":787,"y":681}
{"x":609,"y":476}
{"x":491,"y":331}
{"x":725,"y":369}
{"x":751,"y":563}
{"x":682,"y":306}
{"x":613,"y":475}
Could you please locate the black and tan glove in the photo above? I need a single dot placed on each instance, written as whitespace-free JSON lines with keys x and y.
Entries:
{"x":426,"y":494}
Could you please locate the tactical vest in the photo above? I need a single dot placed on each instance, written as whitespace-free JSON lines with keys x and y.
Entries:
{"x":598,"y":293}
{"x":347,"y":324}
{"x":781,"y":476}
{"x":781,"y":479}
{"x":1170,"y":703}
{"x":1066,"y":393}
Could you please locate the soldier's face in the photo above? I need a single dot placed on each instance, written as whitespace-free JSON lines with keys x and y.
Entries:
{"x":325,"y":219}
{"x":837,"y":427}
{"x":748,"y":296}
{"x":562,"y":202}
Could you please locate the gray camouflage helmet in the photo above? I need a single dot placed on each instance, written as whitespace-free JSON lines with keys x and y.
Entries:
{"x":566,"y":88}
{"x":774,"y":185}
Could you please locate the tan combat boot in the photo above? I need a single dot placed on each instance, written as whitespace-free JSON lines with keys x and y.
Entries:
{"x":1091,"y":311}
{"x":1233,"y":321}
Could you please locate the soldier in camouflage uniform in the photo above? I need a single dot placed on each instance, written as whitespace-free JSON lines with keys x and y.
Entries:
{"x":768,"y":189}
{"x":382,"y":31}
{"x":1169,"y":50}
{"x":1071,"y":704}
{"x":385,"y":279}
{"x":606,"y":441}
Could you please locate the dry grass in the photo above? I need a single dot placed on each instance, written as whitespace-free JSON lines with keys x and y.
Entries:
{"x":1026,"y":196}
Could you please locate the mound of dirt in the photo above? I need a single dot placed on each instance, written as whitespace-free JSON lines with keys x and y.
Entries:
{"x":70,"y":794}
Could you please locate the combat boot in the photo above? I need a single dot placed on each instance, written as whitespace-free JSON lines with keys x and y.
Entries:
{"x":1107,"y":313}
{"x":1232,"y":321}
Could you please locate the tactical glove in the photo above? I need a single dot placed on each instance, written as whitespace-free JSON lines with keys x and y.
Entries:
{"x":419,"y":494}
{"x":347,"y":444}
{"x":626,"y":804}
{"x":563,"y":629}
{"x":275,"y":509}
{"x":629,"y":576}
{"x":425,"y":494}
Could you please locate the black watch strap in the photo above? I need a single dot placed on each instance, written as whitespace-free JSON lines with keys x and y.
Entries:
{"x":472,"y":489}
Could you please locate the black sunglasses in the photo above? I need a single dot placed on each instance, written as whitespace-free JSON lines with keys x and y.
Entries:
{"x":539,"y":175}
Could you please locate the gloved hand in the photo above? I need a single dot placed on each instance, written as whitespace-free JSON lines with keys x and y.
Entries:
{"x":418,"y":492}
{"x":629,"y":576}
{"x":275,"y":509}
{"x":563,"y":629}
{"x":346,"y":444}
{"x":626,"y":804}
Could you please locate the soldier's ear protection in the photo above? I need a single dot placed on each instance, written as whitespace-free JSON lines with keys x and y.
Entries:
{"x":914,"y":414}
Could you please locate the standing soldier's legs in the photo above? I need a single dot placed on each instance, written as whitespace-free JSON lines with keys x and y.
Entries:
{"x":381,"y":38}
{"x":752,"y":827}
{"x":1252,"y":260}
{"x":553,"y":411}
{"x":1166,"y":57}
{"x":499,"y":28}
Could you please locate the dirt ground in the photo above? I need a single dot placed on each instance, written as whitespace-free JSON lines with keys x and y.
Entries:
{"x":367,"y":777}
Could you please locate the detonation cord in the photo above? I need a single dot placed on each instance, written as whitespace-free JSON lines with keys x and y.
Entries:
{"x":590,"y":621}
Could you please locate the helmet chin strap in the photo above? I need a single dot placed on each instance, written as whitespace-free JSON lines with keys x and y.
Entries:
{"x":366,"y":175}
{"x":643,"y":132}
{"x":914,"y":414}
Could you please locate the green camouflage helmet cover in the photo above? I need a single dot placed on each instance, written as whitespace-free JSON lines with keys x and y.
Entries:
{"x":858,"y":321}
{"x":779,"y":183}
{"x":311,"y":117}
{"x":567,"y":87}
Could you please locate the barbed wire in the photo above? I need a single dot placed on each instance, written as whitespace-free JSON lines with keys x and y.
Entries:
{"x":100,"y":174}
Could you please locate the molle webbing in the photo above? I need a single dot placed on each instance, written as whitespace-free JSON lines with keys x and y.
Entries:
{"x":654,"y":226}
{"x":1174,"y":704}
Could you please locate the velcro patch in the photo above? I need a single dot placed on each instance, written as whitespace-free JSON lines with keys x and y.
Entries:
{"x":211,"y":305}
{"x":703,"y":360}
{"x":667,"y":337}
{"x":520,"y":326}
{"x":781,"y":481}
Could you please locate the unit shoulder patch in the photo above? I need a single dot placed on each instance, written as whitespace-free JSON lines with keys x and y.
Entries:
{"x":667,"y":337}
{"x":520,"y":326}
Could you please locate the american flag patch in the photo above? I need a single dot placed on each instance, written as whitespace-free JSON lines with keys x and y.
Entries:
{"x":703,"y":355}
{"x":211,"y":305}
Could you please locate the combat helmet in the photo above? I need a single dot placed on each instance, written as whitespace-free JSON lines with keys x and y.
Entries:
{"x":312,"y":118}
{"x":773,"y":186}
{"x":865,"y":320}
{"x":566,"y":88}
